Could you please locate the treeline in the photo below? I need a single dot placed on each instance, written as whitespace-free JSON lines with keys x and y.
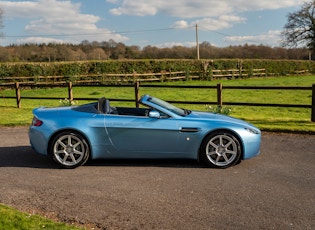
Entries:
{"x":111,"y":50}
{"x":204,"y":69}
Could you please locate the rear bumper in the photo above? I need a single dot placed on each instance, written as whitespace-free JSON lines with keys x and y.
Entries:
{"x":37,"y":140}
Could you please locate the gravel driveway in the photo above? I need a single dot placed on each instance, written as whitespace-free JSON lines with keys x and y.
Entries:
{"x":275,"y":190}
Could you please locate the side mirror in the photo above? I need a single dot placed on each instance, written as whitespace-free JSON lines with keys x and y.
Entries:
{"x":154,"y":114}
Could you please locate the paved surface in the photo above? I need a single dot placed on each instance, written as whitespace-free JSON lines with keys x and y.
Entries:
{"x":275,"y":190}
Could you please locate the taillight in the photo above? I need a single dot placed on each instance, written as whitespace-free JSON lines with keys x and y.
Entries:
{"x":36,"y":122}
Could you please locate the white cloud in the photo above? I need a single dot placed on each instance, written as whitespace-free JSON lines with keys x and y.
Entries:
{"x":113,"y":1}
{"x":172,"y":44}
{"x":211,"y":24}
{"x":52,"y":17}
{"x":244,"y":5}
{"x":43,"y":8}
{"x":219,"y":23}
{"x":40,"y":40}
{"x":181,"y":24}
{"x":196,"y":8}
{"x":133,"y":8}
{"x":209,"y":15}
{"x":271,"y":38}
{"x":175,"y":8}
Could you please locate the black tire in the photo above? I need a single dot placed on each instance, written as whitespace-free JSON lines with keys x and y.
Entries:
{"x":220,"y":149}
{"x":70,"y":150}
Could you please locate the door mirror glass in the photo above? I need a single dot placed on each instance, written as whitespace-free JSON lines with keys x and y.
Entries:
{"x":154,"y":114}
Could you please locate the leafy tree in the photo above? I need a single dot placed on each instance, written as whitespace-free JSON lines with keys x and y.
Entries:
{"x":299,"y":31}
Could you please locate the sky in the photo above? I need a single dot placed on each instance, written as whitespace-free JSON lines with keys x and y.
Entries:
{"x":161,"y":23}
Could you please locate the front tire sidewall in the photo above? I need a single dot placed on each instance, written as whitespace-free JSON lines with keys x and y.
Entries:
{"x":79,"y":144}
{"x":232,"y":144}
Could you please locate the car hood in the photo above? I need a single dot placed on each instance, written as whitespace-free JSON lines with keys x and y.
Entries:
{"x":217,"y":117}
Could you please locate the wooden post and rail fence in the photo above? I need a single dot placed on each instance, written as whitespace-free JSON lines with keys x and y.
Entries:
{"x":219,"y":88}
{"x":133,"y":77}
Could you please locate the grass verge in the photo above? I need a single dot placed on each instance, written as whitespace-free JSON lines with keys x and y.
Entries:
{"x":11,"y":219}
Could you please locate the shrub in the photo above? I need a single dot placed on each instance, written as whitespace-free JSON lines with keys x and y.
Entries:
{"x":219,"y":109}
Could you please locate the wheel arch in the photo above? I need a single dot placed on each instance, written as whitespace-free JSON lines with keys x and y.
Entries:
{"x":72,"y":131}
{"x":236,"y":135}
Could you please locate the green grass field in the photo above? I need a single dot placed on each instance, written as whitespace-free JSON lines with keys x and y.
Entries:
{"x":11,"y":219}
{"x":266,"y":118}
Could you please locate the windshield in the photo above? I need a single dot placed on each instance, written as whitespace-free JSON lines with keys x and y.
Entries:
{"x":168,"y":106}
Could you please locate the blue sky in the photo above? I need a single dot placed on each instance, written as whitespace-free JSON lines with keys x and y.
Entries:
{"x":162,"y":23}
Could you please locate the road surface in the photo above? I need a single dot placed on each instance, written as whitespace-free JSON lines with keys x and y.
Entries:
{"x":275,"y":190}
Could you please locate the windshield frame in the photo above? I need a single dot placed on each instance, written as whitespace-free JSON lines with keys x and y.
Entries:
{"x":167,"y":106}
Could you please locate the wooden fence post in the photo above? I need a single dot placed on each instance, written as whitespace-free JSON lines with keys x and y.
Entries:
{"x":219,"y":94}
{"x":18,"y":94}
{"x":137,"y":86}
{"x":313,"y":103}
{"x":70,"y":93}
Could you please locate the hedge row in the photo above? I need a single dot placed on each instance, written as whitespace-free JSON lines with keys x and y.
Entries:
{"x":272,"y":67}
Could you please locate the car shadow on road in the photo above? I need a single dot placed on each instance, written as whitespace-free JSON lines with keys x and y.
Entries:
{"x":168,"y":163}
{"x":25,"y":156}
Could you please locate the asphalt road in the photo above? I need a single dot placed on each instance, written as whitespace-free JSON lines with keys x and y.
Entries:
{"x":275,"y":190}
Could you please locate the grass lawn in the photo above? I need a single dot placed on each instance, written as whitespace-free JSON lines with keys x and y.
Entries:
{"x":266,"y":118}
{"x":11,"y":219}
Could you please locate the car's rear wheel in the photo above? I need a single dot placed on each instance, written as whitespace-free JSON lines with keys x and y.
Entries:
{"x":220,"y":149}
{"x":70,"y":149}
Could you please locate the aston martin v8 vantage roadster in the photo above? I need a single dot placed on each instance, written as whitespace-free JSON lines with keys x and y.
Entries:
{"x":157,"y":129}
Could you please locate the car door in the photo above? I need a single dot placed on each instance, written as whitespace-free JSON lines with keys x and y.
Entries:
{"x":142,"y":136}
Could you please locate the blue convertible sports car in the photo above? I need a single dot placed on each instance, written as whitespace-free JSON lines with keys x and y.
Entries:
{"x":72,"y":135}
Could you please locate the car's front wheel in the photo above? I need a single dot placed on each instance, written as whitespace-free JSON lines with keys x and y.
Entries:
{"x":70,"y":149}
{"x":220,"y":149}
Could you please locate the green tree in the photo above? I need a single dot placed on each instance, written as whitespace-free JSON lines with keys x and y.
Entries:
{"x":299,"y":31}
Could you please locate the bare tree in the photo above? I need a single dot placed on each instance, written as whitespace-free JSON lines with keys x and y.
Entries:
{"x":299,"y":31}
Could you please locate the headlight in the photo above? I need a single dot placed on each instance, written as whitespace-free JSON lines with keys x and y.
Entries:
{"x":253,"y":131}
